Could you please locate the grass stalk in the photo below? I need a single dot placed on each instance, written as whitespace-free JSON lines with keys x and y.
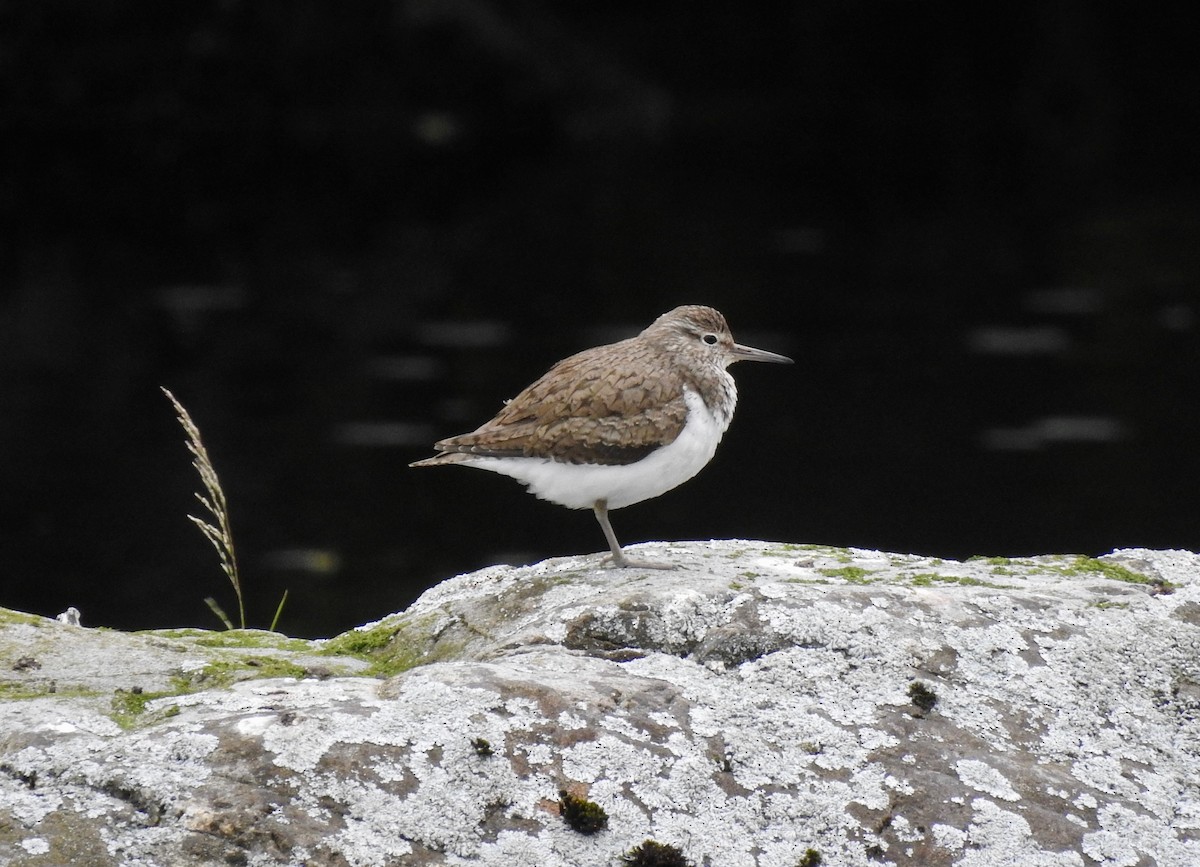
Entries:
{"x":218,"y":532}
{"x":278,"y":611}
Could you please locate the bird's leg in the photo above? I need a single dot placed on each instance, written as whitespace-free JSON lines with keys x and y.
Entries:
{"x":600,"y":507}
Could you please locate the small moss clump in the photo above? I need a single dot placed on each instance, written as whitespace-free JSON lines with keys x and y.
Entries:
{"x":397,"y":644}
{"x":7,"y":615}
{"x":363,"y":642}
{"x":256,"y":638}
{"x":582,"y":815}
{"x":223,"y":672}
{"x":928,"y":579}
{"x":967,"y":581}
{"x":812,"y":858}
{"x":841,"y":555}
{"x":652,"y":854}
{"x":1089,"y":565}
{"x":922,"y":696}
{"x":17,"y":690}
{"x":788,"y":548}
{"x":129,"y":706}
{"x":849,"y":574}
{"x":481,"y":747}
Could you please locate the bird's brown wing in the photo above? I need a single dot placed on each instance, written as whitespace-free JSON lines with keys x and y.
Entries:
{"x":598,"y":406}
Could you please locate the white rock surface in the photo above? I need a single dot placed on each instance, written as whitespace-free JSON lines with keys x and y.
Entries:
{"x":753,"y":705}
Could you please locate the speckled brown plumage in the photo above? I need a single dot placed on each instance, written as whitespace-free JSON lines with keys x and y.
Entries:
{"x":608,"y":405}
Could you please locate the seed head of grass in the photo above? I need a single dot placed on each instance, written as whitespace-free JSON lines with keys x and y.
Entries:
{"x":218,"y":531}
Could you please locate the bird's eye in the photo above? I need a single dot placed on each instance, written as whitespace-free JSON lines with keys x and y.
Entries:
{"x":710,"y":339}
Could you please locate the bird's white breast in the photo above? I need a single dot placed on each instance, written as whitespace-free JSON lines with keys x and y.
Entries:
{"x":579,"y":486}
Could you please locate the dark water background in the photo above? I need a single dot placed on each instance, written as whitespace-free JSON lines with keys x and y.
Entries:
{"x":339,"y":232}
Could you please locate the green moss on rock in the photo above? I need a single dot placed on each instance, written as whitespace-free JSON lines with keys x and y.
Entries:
{"x":398,"y":643}
{"x":582,"y":815}
{"x":849,"y":574}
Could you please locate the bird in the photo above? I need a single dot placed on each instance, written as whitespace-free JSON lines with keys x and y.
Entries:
{"x":616,"y":424}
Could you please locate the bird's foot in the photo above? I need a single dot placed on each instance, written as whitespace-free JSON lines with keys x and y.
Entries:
{"x":620,"y":561}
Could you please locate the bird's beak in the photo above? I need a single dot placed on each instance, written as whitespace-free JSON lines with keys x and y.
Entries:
{"x":749,"y":353}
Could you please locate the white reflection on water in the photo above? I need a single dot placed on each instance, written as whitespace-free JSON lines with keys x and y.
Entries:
{"x":1053,"y":430}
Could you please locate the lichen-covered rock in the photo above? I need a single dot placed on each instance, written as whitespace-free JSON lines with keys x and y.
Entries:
{"x":762,"y":705}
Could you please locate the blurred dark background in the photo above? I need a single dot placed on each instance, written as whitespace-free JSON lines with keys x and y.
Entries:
{"x":339,"y":232}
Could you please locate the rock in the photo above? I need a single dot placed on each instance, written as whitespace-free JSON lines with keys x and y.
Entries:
{"x":762,"y":705}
